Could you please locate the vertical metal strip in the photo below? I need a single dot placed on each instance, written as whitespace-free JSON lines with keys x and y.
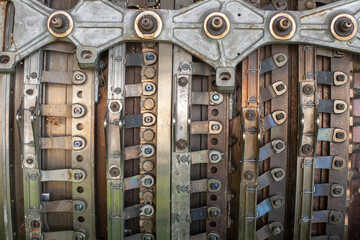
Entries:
{"x":84,"y":94}
{"x":340,"y":149}
{"x":114,"y":143}
{"x":6,"y":218}
{"x":280,"y":160}
{"x":250,"y":147}
{"x":31,"y":157}
{"x":307,"y":140}
{"x":180,"y":196}
{"x":163,"y":171}
{"x":5,"y":209}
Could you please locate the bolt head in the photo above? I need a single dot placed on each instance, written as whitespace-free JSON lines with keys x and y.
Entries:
{"x":77,"y":144}
{"x":214,"y":186}
{"x":277,"y":202}
{"x":280,"y":116}
{"x":29,"y":161}
{"x":215,"y":157}
{"x":78,"y":207}
{"x":340,"y":135}
{"x":148,"y":119}
{"x":339,"y":163}
{"x":216,"y":97}
{"x":148,"y":151}
{"x":337,"y":191}
{"x":149,"y":87}
{"x":340,"y":77}
{"x":183,"y":81}
{"x":280,"y":87}
{"x":214,"y":213}
{"x":148,"y":182}
{"x":215,"y":127}
{"x":79,"y":77}
{"x":78,"y":176}
{"x":276,"y":230}
{"x":279,"y":145}
{"x":340,"y":106}
{"x":279,"y":174}
{"x":150,"y":56}
{"x":77,"y":110}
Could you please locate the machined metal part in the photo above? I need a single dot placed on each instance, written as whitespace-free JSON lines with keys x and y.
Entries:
{"x":173,"y":27}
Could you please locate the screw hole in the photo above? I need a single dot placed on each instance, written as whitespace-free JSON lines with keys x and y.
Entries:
{"x":239,"y":14}
{"x":80,"y":126}
{"x":80,"y":189}
{"x":212,"y":224}
{"x":225,"y":76}
{"x":80,"y":94}
{"x":79,"y":158}
{"x":4,"y":59}
{"x":213,"y":197}
{"x":86,"y":54}
{"x":214,"y":141}
{"x":214,"y":112}
{"x":213,"y":170}
{"x":81,"y":219}
{"x":30,"y":92}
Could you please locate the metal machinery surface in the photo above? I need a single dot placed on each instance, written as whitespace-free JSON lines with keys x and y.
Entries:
{"x":182,"y":120}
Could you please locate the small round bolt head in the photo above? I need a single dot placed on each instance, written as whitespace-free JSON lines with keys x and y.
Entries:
{"x":279,"y":145}
{"x":215,"y":127}
{"x":337,"y":191}
{"x":276,"y":230}
{"x":181,"y":144}
{"x":77,"y":110}
{"x":77,"y":144}
{"x":213,"y":238}
{"x":79,"y":77}
{"x":149,"y":87}
{"x":279,"y":174}
{"x":308,"y":89}
{"x":148,"y":211}
{"x":340,"y":106}
{"x":249,"y":175}
{"x":147,"y":182}
{"x":215,"y":97}
{"x":78,"y":207}
{"x":148,"y":119}
{"x":183,"y":81}
{"x":150,"y":56}
{"x":215,"y":157}
{"x":335,"y":218}
{"x":340,"y":135}
{"x":280,"y":87}
{"x":214,"y":186}
{"x":148,"y":151}
{"x":250,"y":114}
{"x":29,"y":161}
{"x":340,"y":77}
{"x":214,"y":214}
{"x":78,"y":176}
{"x":339,"y":163}
{"x":280,"y":116}
{"x":277,"y":202}
{"x":184,"y":159}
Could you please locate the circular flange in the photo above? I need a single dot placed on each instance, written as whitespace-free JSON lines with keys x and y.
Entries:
{"x":148,"y":25}
{"x":60,"y":24}
{"x":336,"y":32}
{"x":216,"y":25}
{"x":287,"y":24}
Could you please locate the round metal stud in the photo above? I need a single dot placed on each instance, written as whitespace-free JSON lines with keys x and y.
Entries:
{"x":216,"y":25}
{"x":344,"y":27}
{"x":148,"y":25}
{"x":60,"y":24}
{"x":282,"y":26}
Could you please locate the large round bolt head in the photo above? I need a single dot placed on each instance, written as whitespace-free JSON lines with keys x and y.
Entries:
{"x":147,"y":238}
{"x":308,"y":89}
{"x":307,"y":149}
{"x":344,"y":27}
{"x":77,"y":144}
{"x":78,"y":176}
{"x":78,"y":207}
{"x":249,"y":175}
{"x":115,"y":106}
{"x":35,"y":224}
{"x":216,"y":25}
{"x":60,"y":24}
{"x":181,"y":144}
{"x":114,"y":171}
{"x":282,"y":26}
{"x":183,"y":81}
{"x":250,"y":114}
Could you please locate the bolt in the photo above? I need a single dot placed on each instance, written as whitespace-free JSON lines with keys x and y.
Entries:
{"x":340,"y":135}
{"x":57,"y":22}
{"x":307,"y":149}
{"x":148,"y":211}
{"x":280,"y":58}
{"x":277,"y":202}
{"x":214,"y":214}
{"x":250,"y":114}
{"x":215,"y":157}
{"x":148,"y":119}
{"x":213,"y":238}
{"x":185,"y":67}
{"x":33,"y":75}
{"x":181,"y":144}
{"x":309,"y":4}
{"x":30,"y":92}
{"x":339,"y":163}
{"x":340,"y":106}
{"x":183,"y":81}
{"x":214,"y":186}
{"x":78,"y":176}
{"x":216,"y":23}
{"x":280,"y":87}
{"x":150,"y":72}
{"x":79,"y":238}
{"x":308,"y":89}
{"x":249,"y":175}
{"x":340,"y":77}
{"x":280,"y":116}
{"x":148,"y":182}
{"x":35,"y":224}
{"x":29,"y":161}
{"x":114,"y":171}
{"x":280,"y":3}
{"x":215,"y":97}
{"x":215,"y":127}
{"x":147,"y":238}
{"x":345,"y":25}
{"x":335,"y":218}
{"x":115,"y":106}
{"x":78,"y":207}
{"x":149,"y":87}
{"x":77,"y":144}
{"x":279,"y":145}
{"x":150,"y":56}
{"x":148,"y":151}
{"x":146,"y":23}
{"x":337,"y":191}
{"x":77,"y":110}
{"x":276,"y":230}
{"x":183,"y":159}
{"x":279,"y":174}
{"x":284,"y":24}
{"x":79,"y":77}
